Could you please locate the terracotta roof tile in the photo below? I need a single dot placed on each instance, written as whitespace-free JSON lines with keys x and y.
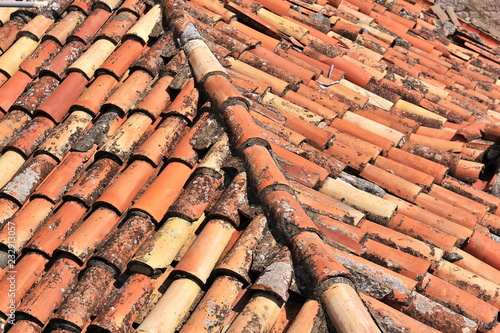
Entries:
{"x":91,"y":289}
{"x":356,"y":122}
{"x":49,"y":236}
{"x":52,"y":288}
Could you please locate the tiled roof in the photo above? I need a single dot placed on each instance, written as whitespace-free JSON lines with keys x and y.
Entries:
{"x":248,"y":166}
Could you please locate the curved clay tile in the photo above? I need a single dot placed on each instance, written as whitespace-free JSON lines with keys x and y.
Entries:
{"x":247,"y":166}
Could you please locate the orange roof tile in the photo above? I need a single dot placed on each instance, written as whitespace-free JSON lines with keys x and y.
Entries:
{"x":248,"y":165}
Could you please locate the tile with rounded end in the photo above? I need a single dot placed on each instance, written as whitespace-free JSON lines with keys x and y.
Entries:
{"x":41,"y":56}
{"x":91,"y":289}
{"x":198,"y":193}
{"x":419,"y":111}
{"x":227,"y":206}
{"x":8,"y":208}
{"x":263,"y":170}
{"x":95,"y":95}
{"x":64,"y":58}
{"x":277,"y":276}
{"x":29,"y":176}
{"x":316,"y":260}
{"x":239,"y":259}
{"x":222,"y":293}
{"x":406,"y":172}
{"x":475,"y":265}
{"x":445,"y":145}
{"x":234,"y":46}
{"x":124,"y":306}
{"x":184,"y":150}
{"x":316,"y":201}
{"x":346,"y":310}
{"x":11,"y":124}
{"x":36,"y":27}
{"x":35,"y":95}
{"x":28,"y":139}
{"x":241,"y":127}
{"x":377,"y":208}
{"x":467,"y":171}
{"x":62,"y":138}
{"x":277,"y":74}
{"x":25,"y":326}
{"x":401,"y":242}
{"x":93,"y":182}
{"x":101,"y":130}
{"x":110,"y":5}
{"x":10,"y":162}
{"x":234,"y":32}
{"x":129,"y":92}
{"x":122,"y":244}
{"x":124,"y":189}
{"x":121,"y":144}
{"x":172,"y":307}
{"x":152,"y":61}
{"x":403,"y":263}
{"x":157,"y":100}
{"x":306,"y":317}
{"x":86,"y":30}
{"x":60,"y":31}
{"x":484,"y":248}
{"x":326,"y":113}
{"x":120,"y":60}
{"x":456,"y":199}
{"x":353,"y":142}
{"x":12,"y":89}
{"x":380,"y":282}
{"x":164,"y":189}
{"x":16,"y":54}
{"x":390,"y":182}
{"x":27,"y":220}
{"x":46,"y":296}
{"x":348,"y":230}
{"x":134,"y":6}
{"x":203,"y":61}
{"x":298,"y":168}
{"x":89,"y":235}
{"x":63,"y":176}
{"x":277,"y":85}
{"x":27,"y":270}
{"x":185,"y":103}
{"x":446,"y":210}
{"x":162,"y":141}
{"x":431,"y":219}
{"x":158,"y":252}
{"x":82,"y":5}
{"x":144,"y":26}
{"x":436,"y":170}
{"x":204,"y":253}
{"x":116,"y":26}
{"x":277,"y":129}
{"x":92,"y":58}
{"x":396,"y":137}
{"x":53,"y":232}
{"x":261,"y":309}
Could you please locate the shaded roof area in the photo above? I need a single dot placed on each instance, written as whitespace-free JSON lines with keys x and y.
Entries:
{"x":248,"y":166}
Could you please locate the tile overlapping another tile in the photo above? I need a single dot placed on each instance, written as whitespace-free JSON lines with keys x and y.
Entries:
{"x":246,"y":165}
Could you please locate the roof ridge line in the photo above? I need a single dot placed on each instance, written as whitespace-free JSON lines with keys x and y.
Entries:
{"x":331,"y":285}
